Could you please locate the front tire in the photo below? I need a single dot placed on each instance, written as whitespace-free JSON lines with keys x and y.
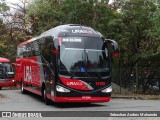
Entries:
{"x":0,"y":88}
{"x":46,"y":100}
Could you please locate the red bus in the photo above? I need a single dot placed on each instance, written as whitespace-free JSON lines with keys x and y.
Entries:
{"x":68,"y":63}
{"x":6,"y":73}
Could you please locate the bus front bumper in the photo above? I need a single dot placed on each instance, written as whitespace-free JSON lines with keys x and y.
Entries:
{"x":7,"y":83}
{"x":80,"y":99}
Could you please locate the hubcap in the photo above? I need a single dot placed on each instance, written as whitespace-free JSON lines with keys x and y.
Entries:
{"x":44,"y":93}
{"x":22,"y":86}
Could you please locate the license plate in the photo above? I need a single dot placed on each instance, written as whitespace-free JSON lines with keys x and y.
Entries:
{"x":86,"y":97}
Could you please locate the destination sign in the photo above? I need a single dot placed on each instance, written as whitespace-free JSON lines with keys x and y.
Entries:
{"x":72,"y":40}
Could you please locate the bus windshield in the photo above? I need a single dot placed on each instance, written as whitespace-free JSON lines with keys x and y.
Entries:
{"x":83,"y":57}
{"x":6,"y":70}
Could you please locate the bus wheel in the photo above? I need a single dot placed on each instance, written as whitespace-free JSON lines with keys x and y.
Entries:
{"x":23,"y":91}
{"x":46,"y":100}
{"x":0,"y":88}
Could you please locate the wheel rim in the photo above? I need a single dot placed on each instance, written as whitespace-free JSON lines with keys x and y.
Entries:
{"x":22,"y":86}
{"x":44,"y":93}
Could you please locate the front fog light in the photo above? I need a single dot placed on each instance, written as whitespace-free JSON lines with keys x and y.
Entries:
{"x":107,"y":90}
{"x":61,"y":89}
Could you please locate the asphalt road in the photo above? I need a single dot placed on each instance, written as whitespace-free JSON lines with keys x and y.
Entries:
{"x":13,"y":100}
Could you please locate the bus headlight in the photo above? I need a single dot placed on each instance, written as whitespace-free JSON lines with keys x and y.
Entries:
{"x":61,"y":89}
{"x":107,"y":90}
{"x":13,"y":80}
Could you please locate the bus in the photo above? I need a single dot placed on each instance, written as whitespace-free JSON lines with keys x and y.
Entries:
{"x":6,"y":73}
{"x":68,"y":63}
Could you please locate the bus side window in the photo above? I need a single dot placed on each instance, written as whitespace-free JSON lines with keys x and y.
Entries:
{"x":47,"y":54}
{"x":35,"y":50}
{"x":20,"y":52}
{"x":1,"y":71}
{"x":46,"y":51}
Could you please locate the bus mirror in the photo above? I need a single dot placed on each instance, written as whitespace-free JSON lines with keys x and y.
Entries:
{"x":1,"y":67}
{"x":115,"y":47}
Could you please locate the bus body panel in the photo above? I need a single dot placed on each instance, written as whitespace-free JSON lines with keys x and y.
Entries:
{"x":30,"y":71}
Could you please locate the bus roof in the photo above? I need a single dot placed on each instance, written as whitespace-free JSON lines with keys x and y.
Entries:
{"x":25,"y":42}
{"x":4,"y":59}
{"x":70,"y":29}
{"x":74,"y":29}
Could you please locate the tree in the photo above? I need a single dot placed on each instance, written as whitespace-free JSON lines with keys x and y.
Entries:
{"x":77,"y":12}
{"x":98,"y":15}
{"x":42,"y":15}
{"x":139,"y":41}
{"x":3,"y":37}
{"x":3,"y":6}
{"x":3,"y":28}
{"x":16,"y":29}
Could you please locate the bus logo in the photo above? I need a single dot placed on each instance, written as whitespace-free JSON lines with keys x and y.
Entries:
{"x":82,"y":31}
{"x":27,"y":73}
{"x":31,"y":73}
{"x":75,"y":83}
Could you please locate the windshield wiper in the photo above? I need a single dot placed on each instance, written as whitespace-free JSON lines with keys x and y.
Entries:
{"x":72,"y":75}
{"x":95,"y":75}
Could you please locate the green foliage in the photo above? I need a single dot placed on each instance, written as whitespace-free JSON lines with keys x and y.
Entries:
{"x":43,"y":15}
{"x":109,"y":22}
{"x":3,"y":6}
{"x":140,"y":39}
{"x":78,"y":12}
{"x":3,"y":37}
{"x":137,"y":18}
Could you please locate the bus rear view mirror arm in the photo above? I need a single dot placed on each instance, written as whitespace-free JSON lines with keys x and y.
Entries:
{"x":115,"y":46}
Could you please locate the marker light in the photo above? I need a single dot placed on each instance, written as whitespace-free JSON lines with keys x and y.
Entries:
{"x":60,"y":40}
{"x":115,"y":54}
{"x":55,"y":51}
{"x":61,"y":89}
{"x":107,"y":90}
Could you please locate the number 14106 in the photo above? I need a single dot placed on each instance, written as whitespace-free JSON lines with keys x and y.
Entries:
{"x":100,"y":83}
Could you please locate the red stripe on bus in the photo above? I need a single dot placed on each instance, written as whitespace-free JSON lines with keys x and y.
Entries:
{"x":74,"y":83}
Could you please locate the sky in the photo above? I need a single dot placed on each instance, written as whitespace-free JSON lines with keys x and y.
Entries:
{"x":13,"y":1}
{"x":10,"y":2}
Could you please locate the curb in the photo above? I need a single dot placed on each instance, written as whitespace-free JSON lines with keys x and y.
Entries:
{"x":137,"y":97}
